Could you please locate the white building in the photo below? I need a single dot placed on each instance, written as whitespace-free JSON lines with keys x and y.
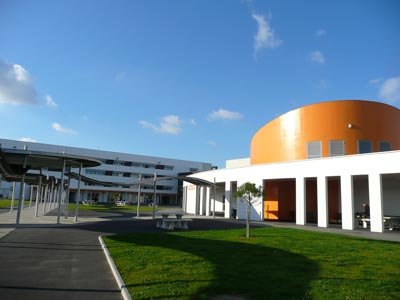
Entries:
{"x":116,"y":167}
{"x":321,"y":164}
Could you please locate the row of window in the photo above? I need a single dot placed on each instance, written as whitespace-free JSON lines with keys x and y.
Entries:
{"x":337,"y":148}
{"x":117,"y":162}
{"x":145,"y":187}
{"x":117,"y":173}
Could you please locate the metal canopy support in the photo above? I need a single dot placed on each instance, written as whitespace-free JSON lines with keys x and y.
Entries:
{"x":66,"y":202}
{"x":13,"y":196}
{"x":215,"y":196}
{"x":21,"y":193}
{"x":154,"y":194}
{"x":30,"y":195}
{"x":138,"y":201}
{"x":61,"y":189}
{"x":78,"y":195}
{"x":46,"y":190}
{"x":38,"y":196}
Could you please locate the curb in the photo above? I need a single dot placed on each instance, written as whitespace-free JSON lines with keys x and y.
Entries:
{"x":117,"y":276}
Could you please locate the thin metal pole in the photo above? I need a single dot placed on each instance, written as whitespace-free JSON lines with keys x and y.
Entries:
{"x":215,"y":196}
{"x":154,"y":194}
{"x":66,"y":203}
{"x":60,"y":192}
{"x":138,"y":202}
{"x":30,"y":196}
{"x":13,"y":196}
{"x":46,"y":190}
{"x":21,"y":193}
{"x":78,"y":196}
{"x":38,"y":196}
{"x":51,"y":194}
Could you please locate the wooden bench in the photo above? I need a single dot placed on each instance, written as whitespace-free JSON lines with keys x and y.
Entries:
{"x":120,"y":203}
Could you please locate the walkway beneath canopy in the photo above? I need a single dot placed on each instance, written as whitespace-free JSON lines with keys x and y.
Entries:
{"x":17,"y":163}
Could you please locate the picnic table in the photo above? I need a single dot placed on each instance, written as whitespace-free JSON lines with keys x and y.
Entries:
{"x":390,"y":221}
{"x":171,"y":223}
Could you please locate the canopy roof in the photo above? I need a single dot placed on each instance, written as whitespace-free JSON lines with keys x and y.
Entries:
{"x":12,"y":161}
{"x":94,"y":181}
{"x":147,"y":181}
{"x":31,"y":179}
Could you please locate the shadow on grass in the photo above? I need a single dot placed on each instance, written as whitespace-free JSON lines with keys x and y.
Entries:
{"x":240,"y":268}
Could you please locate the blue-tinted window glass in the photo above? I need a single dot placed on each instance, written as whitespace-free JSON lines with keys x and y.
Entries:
{"x":364,"y":147}
{"x":384,"y":146}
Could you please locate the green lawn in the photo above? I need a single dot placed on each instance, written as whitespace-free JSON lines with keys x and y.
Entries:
{"x":275,"y":263}
{"x":6,"y":203}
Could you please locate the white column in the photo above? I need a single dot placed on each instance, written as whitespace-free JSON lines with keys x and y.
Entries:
{"x":322,"y":202}
{"x":375,"y":202}
{"x":347,"y":201}
{"x":227,"y":199}
{"x":208,"y":201}
{"x":300,"y":201}
{"x":202,"y":194}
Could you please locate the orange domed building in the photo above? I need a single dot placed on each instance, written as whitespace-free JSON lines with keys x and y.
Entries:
{"x":328,"y":129}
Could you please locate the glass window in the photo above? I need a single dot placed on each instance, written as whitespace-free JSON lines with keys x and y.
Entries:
{"x":314,"y":149}
{"x":336,"y":148}
{"x":384,"y":146}
{"x":364,"y":147}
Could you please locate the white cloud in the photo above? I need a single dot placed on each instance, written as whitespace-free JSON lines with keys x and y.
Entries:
{"x":317,"y":57}
{"x":192,"y":122}
{"x":320,"y":32}
{"x":390,"y":89}
{"x":223,"y":114}
{"x":28,"y":139}
{"x":50,"y":102}
{"x":375,"y":81}
{"x":16,"y":85}
{"x":265,"y":36}
{"x":169,"y":124}
{"x":59,"y":128}
{"x":85,"y":117}
{"x":212,"y":143}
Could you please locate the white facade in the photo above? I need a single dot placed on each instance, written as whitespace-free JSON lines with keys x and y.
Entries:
{"x":118,"y":168}
{"x":373,"y":178}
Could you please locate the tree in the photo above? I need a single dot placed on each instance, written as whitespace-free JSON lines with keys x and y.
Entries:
{"x":248,"y":192}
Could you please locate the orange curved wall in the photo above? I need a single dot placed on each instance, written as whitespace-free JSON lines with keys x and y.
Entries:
{"x":285,"y":138}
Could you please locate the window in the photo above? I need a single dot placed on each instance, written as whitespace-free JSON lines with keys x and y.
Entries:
{"x":314,"y":149}
{"x":364,"y":147}
{"x":128,"y":163}
{"x":160,"y":167}
{"x":384,"y":146}
{"x":108,"y":173}
{"x":336,"y":148}
{"x":109,"y":162}
{"x":94,"y":172}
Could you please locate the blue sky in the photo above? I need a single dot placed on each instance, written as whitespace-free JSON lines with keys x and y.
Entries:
{"x":186,"y":79}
